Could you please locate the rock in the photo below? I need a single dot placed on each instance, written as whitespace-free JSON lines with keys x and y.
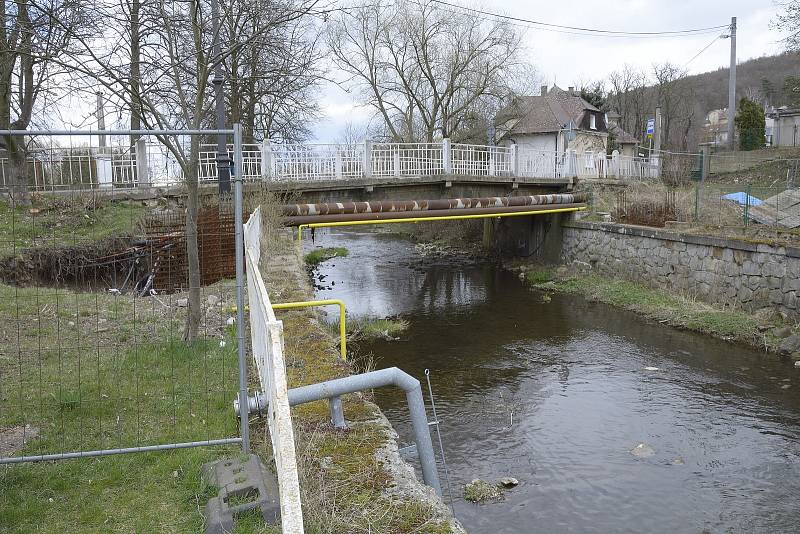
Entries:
{"x":643,"y":450}
{"x":326,"y":462}
{"x":797,"y":363}
{"x":763,"y":327}
{"x":785,"y":386}
{"x":213,"y":300}
{"x":781,"y":332}
{"x":230,"y":321}
{"x":509,"y":482}
{"x":182,"y":303}
{"x":480,"y":491}
{"x":678,"y":461}
{"x":789,"y":345}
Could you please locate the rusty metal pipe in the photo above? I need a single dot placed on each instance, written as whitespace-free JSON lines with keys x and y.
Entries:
{"x":395,"y":206}
{"x":310,"y":219}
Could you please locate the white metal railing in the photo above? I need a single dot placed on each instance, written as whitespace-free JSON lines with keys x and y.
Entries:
{"x":266,"y":336}
{"x":122,"y":166}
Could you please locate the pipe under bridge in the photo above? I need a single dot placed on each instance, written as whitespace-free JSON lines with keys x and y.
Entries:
{"x":375,"y":212}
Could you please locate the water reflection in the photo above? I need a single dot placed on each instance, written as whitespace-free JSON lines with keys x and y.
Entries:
{"x":557,"y":393}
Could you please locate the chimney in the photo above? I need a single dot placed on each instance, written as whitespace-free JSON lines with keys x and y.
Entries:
{"x":544,"y":90}
{"x":571,"y":90}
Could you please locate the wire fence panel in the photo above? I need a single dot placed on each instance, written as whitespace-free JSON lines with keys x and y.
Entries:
{"x":267,"y":344}
{"x":93,"y":304}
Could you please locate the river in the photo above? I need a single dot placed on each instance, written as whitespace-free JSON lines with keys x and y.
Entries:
{"x":556,"y":392}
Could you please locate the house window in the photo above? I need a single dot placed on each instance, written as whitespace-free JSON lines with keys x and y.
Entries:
{"x":593,"y":121}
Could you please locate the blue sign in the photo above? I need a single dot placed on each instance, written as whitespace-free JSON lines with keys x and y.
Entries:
{"x":651,"y":127}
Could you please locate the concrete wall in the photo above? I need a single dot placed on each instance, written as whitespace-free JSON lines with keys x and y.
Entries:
{"x":722,"y":271}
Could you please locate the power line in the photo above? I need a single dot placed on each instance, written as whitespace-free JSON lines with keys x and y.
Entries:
{"x":703,"y":50}
{"x":585,"y":31}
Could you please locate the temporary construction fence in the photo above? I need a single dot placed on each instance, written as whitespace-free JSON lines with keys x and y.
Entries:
{"x":94,"y":297}
{"x":266,"y":334}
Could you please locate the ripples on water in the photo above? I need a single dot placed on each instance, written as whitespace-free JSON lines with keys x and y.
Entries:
{"x":557,"y":393}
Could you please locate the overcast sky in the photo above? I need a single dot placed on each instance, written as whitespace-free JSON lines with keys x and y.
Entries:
{"x":567,"y":59}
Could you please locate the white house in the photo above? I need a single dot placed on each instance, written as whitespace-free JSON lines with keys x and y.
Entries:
{"x":553,"y":122}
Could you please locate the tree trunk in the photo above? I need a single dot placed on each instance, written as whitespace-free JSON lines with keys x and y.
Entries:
{"x":194,"y":314}
{"x":16,"y":173}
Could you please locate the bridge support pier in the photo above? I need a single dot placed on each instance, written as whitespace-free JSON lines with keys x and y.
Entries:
{"x":536,"y":236}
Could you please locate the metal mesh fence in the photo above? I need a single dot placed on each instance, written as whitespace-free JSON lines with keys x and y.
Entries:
{"x":93,"y":298}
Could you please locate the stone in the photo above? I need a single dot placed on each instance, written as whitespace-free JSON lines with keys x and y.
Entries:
{"x":797,"y":363}
{"x":782,"y":332}
{"x":479,"y":491}
{"x":643,"y":450}
{"x":182,"y":303}
{"x":213,"y":300}
{"x":509,"y":482}
{"x":789,"y":345}
{"x":678,"y":461}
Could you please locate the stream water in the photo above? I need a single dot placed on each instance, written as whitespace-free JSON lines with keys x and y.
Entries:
{"x":557,"y":392}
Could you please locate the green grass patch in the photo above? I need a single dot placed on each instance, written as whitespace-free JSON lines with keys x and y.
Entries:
{"x":666,"y":308}
{"x":57,"y":221}
{"x":317,"y":256}
{"x":96,"y":371}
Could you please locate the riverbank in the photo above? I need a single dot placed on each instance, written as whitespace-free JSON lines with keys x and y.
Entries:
{"x":769,"y":331}
{"x":354,"y":480}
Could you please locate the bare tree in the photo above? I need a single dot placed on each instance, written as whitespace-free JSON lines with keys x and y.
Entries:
{"x":165,"y":79}
{"x":789,"y":21}
{"x":428,"y":71}
{"x":273,"y":68}
{"x":674,"y":96}
{"x":36,"y":38}
{"x":628,"y":97}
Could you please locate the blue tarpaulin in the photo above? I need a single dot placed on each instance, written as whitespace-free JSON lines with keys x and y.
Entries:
{"x":743,"y":198}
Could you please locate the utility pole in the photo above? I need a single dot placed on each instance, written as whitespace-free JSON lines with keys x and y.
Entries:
{"x":732,"y":89}
{"x":223,"y":160}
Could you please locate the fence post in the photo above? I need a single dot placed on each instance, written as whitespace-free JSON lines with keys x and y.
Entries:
{"x":367,"y":164}
{"x":238,"y":213}
{"x":266,"y":159}
{"x":747,"y":205}
{"x":396,"y":157}
{"x":337,"y":163}
{"x":492,"y":161}
{"x":514,"y":160}
{"x":142,"y":170}
{"x":447,"y":156}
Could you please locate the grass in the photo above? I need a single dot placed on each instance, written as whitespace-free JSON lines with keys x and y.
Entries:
{"x":666,"y":308}
{"x":317,"y":256}
{"x":92,"y":371}
{"x":57,"y":221}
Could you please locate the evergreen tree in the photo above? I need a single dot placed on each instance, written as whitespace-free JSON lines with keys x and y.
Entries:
{"x":750,"y":123}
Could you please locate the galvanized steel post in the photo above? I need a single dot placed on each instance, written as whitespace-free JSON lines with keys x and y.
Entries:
{"x":239,"y":216}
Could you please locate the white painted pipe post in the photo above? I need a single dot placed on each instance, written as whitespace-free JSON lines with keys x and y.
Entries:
{"x":142,"y":169}
{"x":337,"y":163}
{"x":266,"y":159}
{"x":447,"y":156}
{"x":396,"y":156}
{"x":492,"y":162}
{"x":514,"y":155}
{"x":367,"y":159}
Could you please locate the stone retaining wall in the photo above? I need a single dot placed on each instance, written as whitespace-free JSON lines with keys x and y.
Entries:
{"x":717,"y":270}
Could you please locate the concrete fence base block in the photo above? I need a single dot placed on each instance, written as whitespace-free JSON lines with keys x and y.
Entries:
{"x":244,"y":484}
